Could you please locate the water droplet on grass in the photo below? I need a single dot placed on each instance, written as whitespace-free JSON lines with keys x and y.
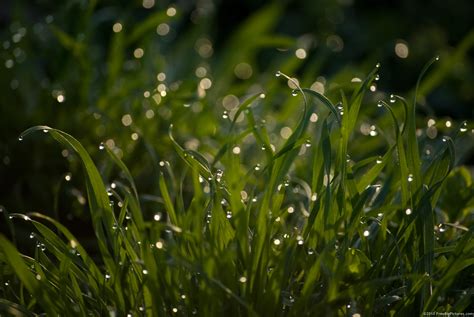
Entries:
{"x":379,"y":160}
{"x":278,"y":74}
{"x":277,"y":242}
{"x":157,"y":216}
{"x":145,"y":272}
{"x":377,"y":77}
{"x":410,"y":178}
{"x":101,"y":146}
{"x":242,"y":279}
{"x":366,"y":233}
{"x":408,"y":211}
{"x":294,"y":92}
{"x":20,"y":138}
{"x":463,"y":127}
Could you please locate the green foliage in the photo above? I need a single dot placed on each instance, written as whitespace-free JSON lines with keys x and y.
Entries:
{"x":307,"y":231}
{"x":333,"y":199}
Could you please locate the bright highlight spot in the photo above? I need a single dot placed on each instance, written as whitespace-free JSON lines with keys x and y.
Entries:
{"x":401,"y":49}
{"x":300,"y":53}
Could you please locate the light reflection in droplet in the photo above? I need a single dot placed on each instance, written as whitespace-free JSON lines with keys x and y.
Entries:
{"x":117,"y":27}
{"x":138,"y":53}
{"x":401,"y":49}
{"x":301,"y":53}
{"x":171,"y":12}
{"x":163,"y":29}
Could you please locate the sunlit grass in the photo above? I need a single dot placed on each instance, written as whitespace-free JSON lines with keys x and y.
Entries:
{"x":254,"y":228}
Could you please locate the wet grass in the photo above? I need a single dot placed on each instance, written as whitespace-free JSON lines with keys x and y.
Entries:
{"x":249,"y":228}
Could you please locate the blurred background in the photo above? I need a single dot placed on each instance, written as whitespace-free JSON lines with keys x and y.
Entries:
{"x":118,"y":73}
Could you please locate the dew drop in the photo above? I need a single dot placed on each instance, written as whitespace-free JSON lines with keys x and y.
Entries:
{"x":157,"y":216}
{"x":294,"y":92}
{"x":379,"y":160}
{"x":20,"y":138}
{"x":377,"y":77}
{"x":392,"y":99}
{"x":225,"y":115}
{"x":242,"y":279}
{"x":463,"y":127}
{"x":229,"y":214}
{"x":308,"y":143}
{"x":257,"y":167}
{"x":101,"y":146}
{"x":408,"y":211}
{"x":219,"y":174}
{"x":442,"y":227}
{"x":380,"y":104}
{"x":366,"y":233}
{"x":277,"y":242}
{"x":32,"y":235}
{"x":278,"y":74}
{"x":437,"y":58}
{"x":410,"y":178}
{"x":145,"y":272}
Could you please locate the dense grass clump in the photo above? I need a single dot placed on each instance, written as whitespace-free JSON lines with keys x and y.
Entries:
{"x":255,"y":228}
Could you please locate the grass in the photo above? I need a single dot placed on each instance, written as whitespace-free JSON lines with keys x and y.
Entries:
{"x":251,"y":228}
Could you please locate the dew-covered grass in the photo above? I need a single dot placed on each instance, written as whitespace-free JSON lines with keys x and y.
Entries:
{"x":314,"y":224}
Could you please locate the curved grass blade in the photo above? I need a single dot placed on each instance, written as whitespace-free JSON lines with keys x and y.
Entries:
{"x":27,"y":278}
{"x":99,"y":204}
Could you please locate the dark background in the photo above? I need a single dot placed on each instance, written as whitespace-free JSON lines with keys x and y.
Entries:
{"x":32,"y":172}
